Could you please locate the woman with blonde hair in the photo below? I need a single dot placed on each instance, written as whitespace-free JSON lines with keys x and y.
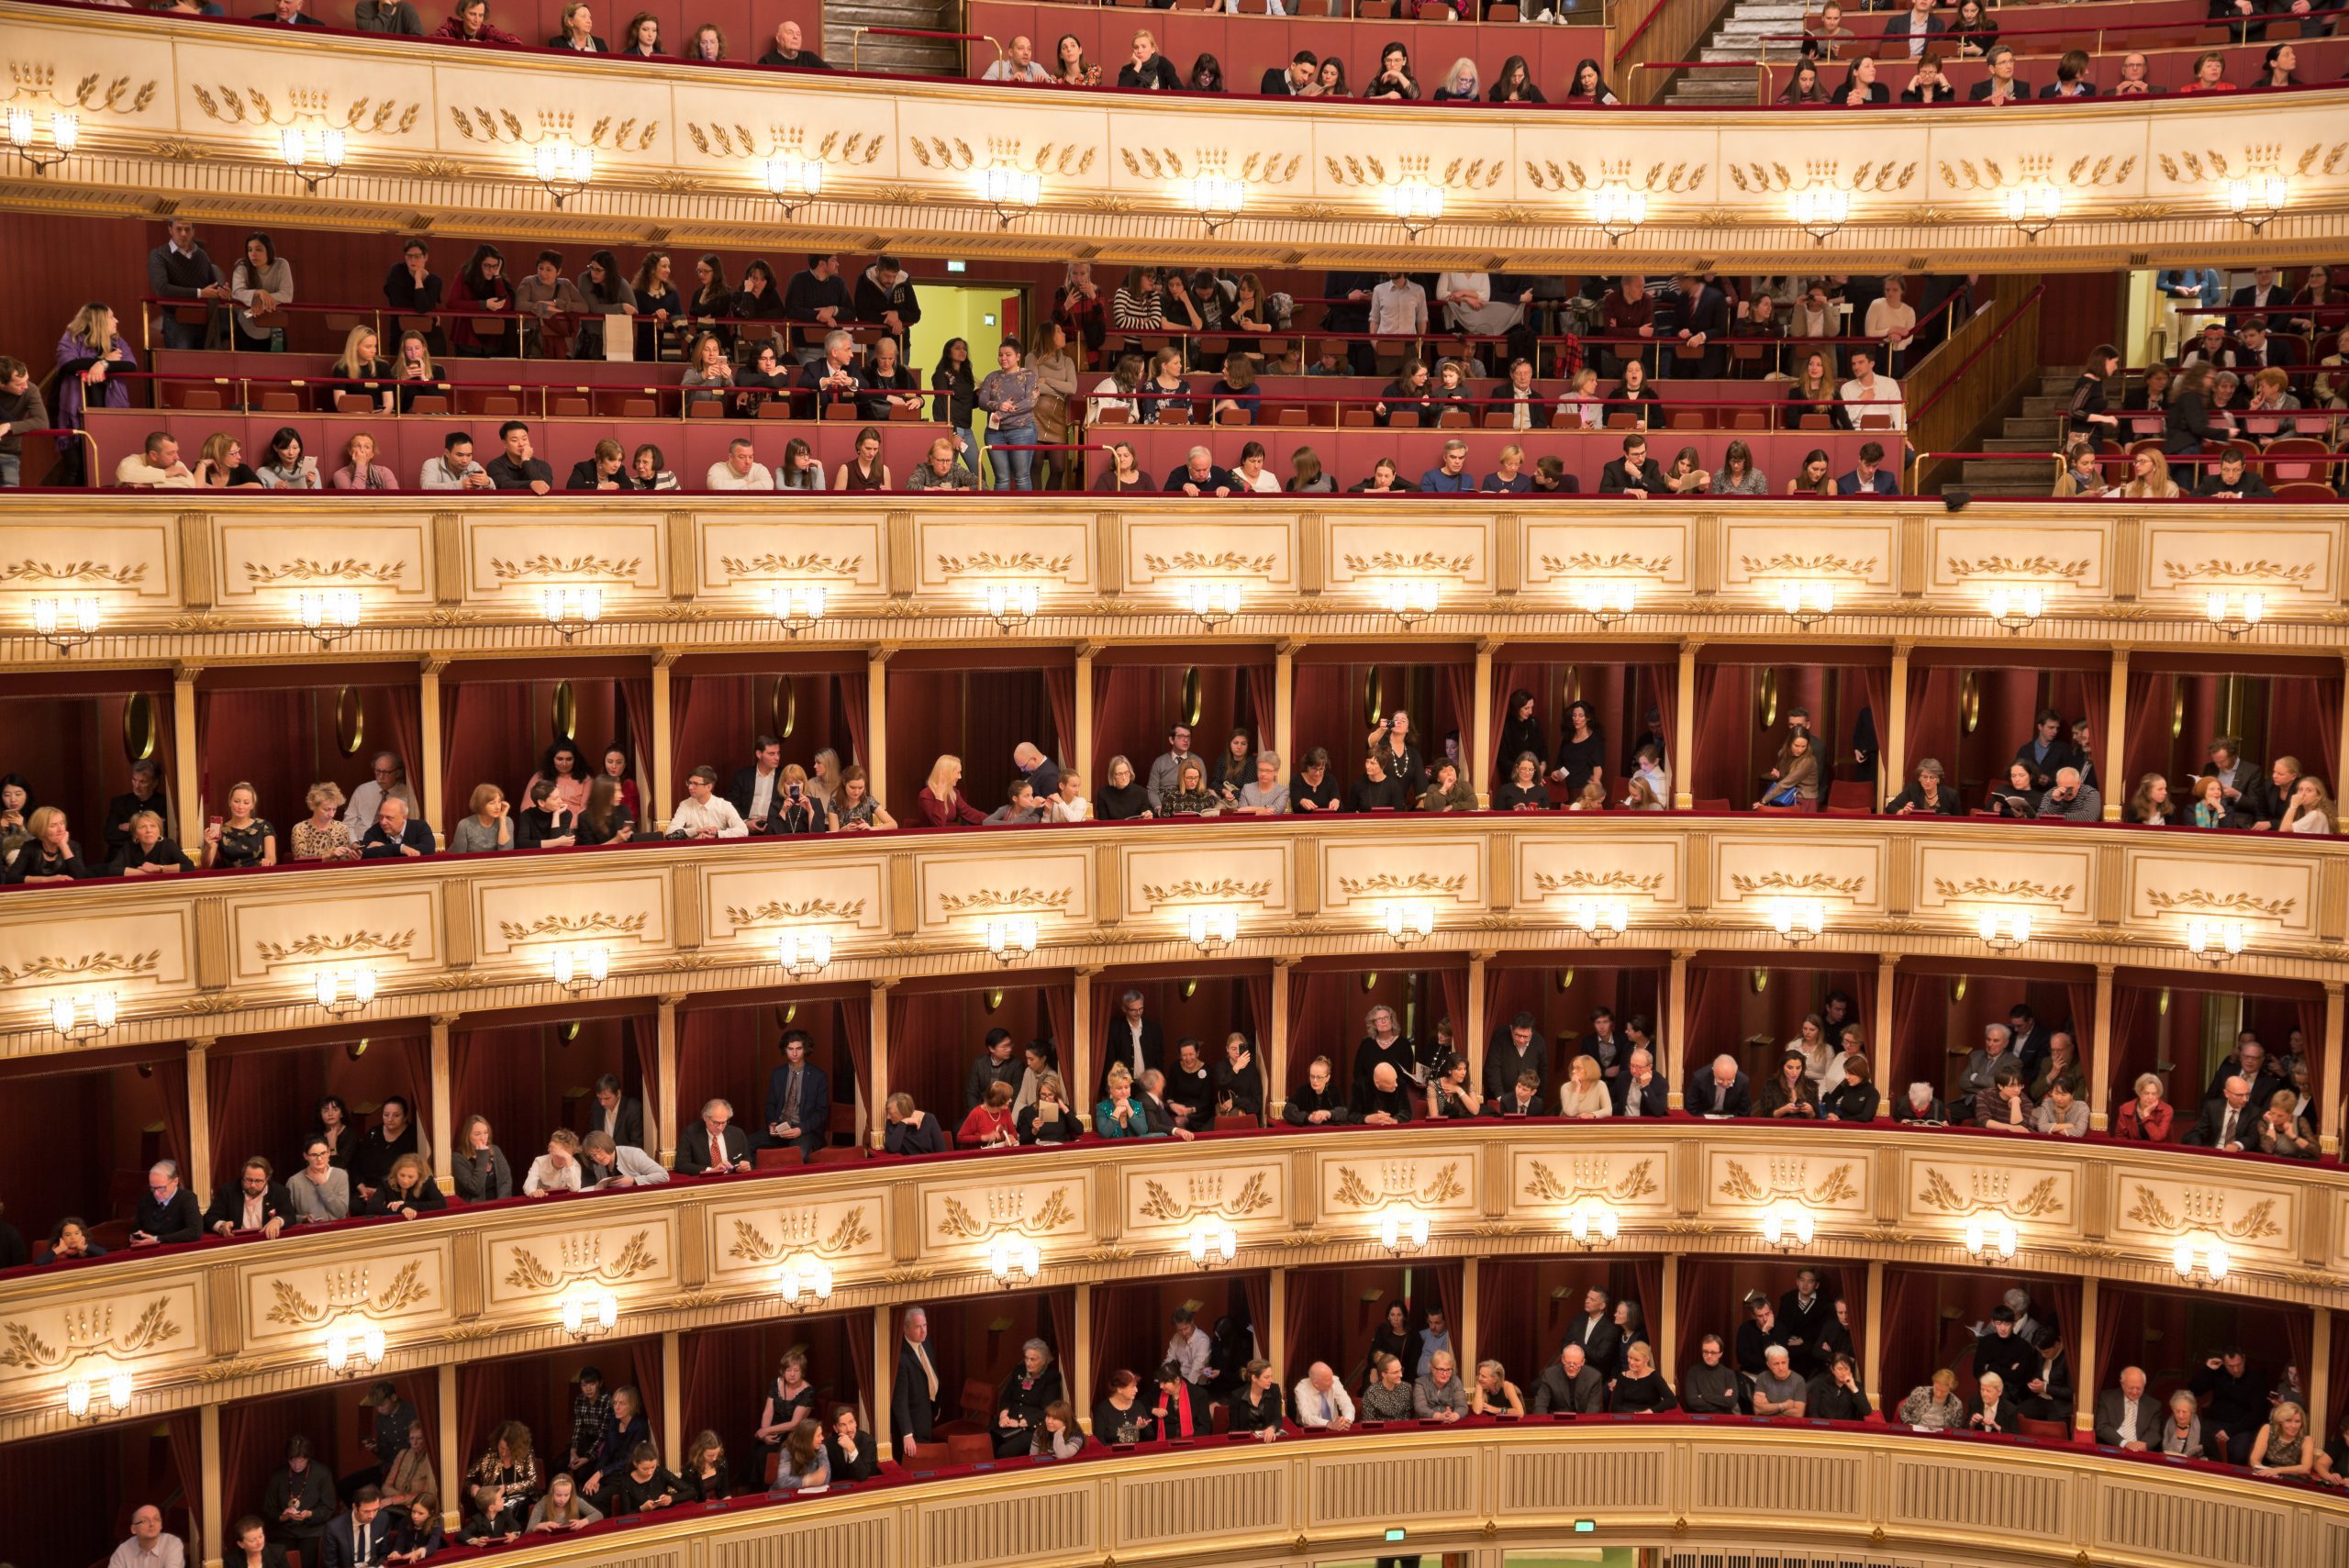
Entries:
{"x":1068,"y":803}
{"x":478,"y":1169}
{"x":322,"y":835}
{"x":2151,"y":804}
{"x":1494,"y":1395}
{"x":91,"y":357}
{"x":563,"y":1508}
{"x":578,"y":33}
{"x":1584,"y":1097}
{"x":360,"y":470}
{"x":942,"y":801}
{"x":221,"y":465}
{"x":358,"y":369}
{"x":242,"y":838}
{"x":409,"y":1190}
{"x":1934,"y":1410}
{"x":2310,"y":810}
{"x":1460,"y":84}
{"x":2149,"y":479}
{"x":488,"y":825}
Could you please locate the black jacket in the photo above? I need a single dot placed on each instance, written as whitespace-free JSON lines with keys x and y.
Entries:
{"x":903,"y":1138}
{"x":1656,"y":1100}
{"x":1602,"y":1341}
{"x":1738,"y":1101}
{"x":1504,"y":1062}
{"x":228,"y":1206}
{"x":1586,"y":1394}
{"x":1947,"y":803}
{"x":912,"y":1412}
{"x":1618,"y":476}
{"x":1826,"y":1400}
{"x":1303,"y":1103}
{"x":122,"y":808}
{"x":694,"y":1156}
{"x":1157,"y":71}
{"x":2250,"y":486}
{"x":174,"y":1220}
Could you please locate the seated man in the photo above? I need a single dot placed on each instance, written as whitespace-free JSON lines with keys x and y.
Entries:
{"x":1634,"y":474}
{"x":158,"y":467}
{"x":604,"y":1163}
{"x":1778,"y":1391}
{"x":740,"y":470}
{"x":1868,"y":395}
{"x":1868,"y":479}
{"x":1388,"y":1104}
{"x":786,"y":51}
{"x":1450,"y":476}
{"x":393,"y":836}
{"x":1709,"y":1386}
{"x":2125,"y":1417}
{"x":1439,"y":1396}
{"x":1318,"y":1103}
{"x":1199,"y":475}
{"x":1321,"y":1403}
{"x":941,"y":469}
{"x":2071,"y":800}
{"x":713,"y":1145}
{"x":257,"y":1204}
{"x":2233,"y":480}
{"x":2002,"y":85}
{"x":470,"y":24}
{"x":1570,"y":1385}
{"x":1723,"y":1092}
{"x":454,"y":469}
{"x":703,"y":814}
{"x":515,"y":468}
{"x":2228,"y":1123}
{"x":1525,"y":1097}
{"x":833,"y":378}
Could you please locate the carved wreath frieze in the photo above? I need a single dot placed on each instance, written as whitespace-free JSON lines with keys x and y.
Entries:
{"x":737,"y":141}
{"x":1396,"y":1181}
{"x":1203,"y":1196}
{"x":1191,"y":890}
{"x":317,"y":946}
{"x":41,"y":970}
{"x":349,"y":1290}
{"x":346,"y":569}
{"x":799,"y":1234}
{"x":1392,"y":882}
{"x":1680,"y":180}
{"x":1988,"y":1190}
{"x":1580,"y":881}
{"x":1192,"y":560}
{"x":774,"y":912}
{"x":581,"y":1258}
{"x":2220,"y":168}
{"x":2221,"y":903}
{"x":2011,"y":890}
{"x":88,"y":1332}
{"x":544,"y":565}
{"x":1419,"y":561}
{"x":2219,"y":568}
{"x":1790,"y":882}
{"x":986,"y":562}
{"x":574,"y":926}
{"x":1007,"y":1211}
{"x":2011,"y":566}
{"x":1787,"y":1178}
{"x":31,"y":571}
{"x":28,"y":78}
{"x":1591,"y":1176}
{"x":1808,"y":566}
{"x":811,"y":565}
{"x":1621,"y":561}
{"x":506,"y":125}
{"x":986,"y":898}
{"x":301,"y":103}
{"x":2203,"y":1208}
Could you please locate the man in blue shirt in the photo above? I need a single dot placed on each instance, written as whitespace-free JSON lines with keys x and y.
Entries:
{"x":1450,"y":476}
{"x":1868,"y":479}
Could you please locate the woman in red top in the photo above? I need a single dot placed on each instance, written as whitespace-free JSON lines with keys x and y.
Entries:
{"x":615,"y":764}
{"x":2146,"y":1119}
{"x":481,"y":286}
{"x":942,"y":802}
{"x":989,"y":1126}
{"x":2210,"y":75}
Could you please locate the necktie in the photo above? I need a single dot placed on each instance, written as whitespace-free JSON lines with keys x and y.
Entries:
{"x":2227,"y":1129}
{"x":791,"y":1098}
{"x":921,"y":1354}
{"x":1721,"y":1092}
{"x":2128,"y":1419}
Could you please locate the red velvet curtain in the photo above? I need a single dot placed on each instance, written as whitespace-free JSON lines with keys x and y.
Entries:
{"x":2148,"y":747}
{"x":402,"y":710}
{"x":1509,"y":678}
{"x":1932,"y":723}
{"x":1717,"y":770}
{"x":1875,"y":685}
{"x":1915,"y":1053}
{"x":1260,"y":1024}
{"x":856,"y":1031}
{"x":171,"y":1088}
{"x":492,"y":733}
{"x":183,"y":1431}
{"x":491,"y":1392}
{"x":856,"y":708}
{"x":1263,"y":701}
{"x":1312,"y":995}
{"x":498,"y":1071}
{"x":717,"y":1059}
{"x":1662,"y":683}
{"x":636,"y":723}
{"x":928,"y":1057}
{"x":2304,"y":720}
{"x":1060,"y":696}
{"x":1060,"y":1020}
{"x":1458,"y":692}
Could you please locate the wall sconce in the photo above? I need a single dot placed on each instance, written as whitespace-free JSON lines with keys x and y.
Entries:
{"x":2211,"y":1267}
{"x":1212,"y":1243}
{"x":2234,"y":616}
{"x":1011,"y":938}
{"x":1417,"y":205}
{"x":66,"y":624}
{"x":1608,"y":601}
{"x":2215,"y":942}
{"x":571,"y":610}
{"x":1217,"y":199}
{"x":1014,"y":1261}
{"x":2018,"y":609}
{"x":563,"y":169}
{"x":1402,"y":1231}
{"x":1797,"y":920}
{"x":1010,"y":604}
{"x":2034,"y":208}
{"x":590,"y":1315}
{"x":1591,"y":1228}
{"x":806,"y":1285}
{"x":84,"y":1399}
{"x":328,"y":614}
{"x":1820,"y":213}
{"x":1991,"y":1241}
{"x":2004,"y":933}
{"x":83,"y":1017}
{"x":797,"y":608}
{"x":342,"y":992}
{"x":64,"y":135}
{"x":1788,"y":1228}
{"x":1011,"y":194}
{"x":293,"y":143}
{"x":354,"y":1352}
{"x":1212,"y":930}
{"x":1599,"y":920}
{"x":1410,"y":600}
{"x":2259,"y":200}
{"x":1806,"y":604}
{"x":803,"y":953}
{"x":1213,"y":603}
{"x":577,"y":969}
{"x":1408,"y":924}
{"x":794,"y":182}
{"x":1618,"y":210}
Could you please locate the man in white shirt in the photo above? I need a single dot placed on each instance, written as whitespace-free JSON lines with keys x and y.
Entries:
{"x":1868,"y":395}
{"x":605,"y":1163}
{"x":149,"y":1547}
{"x":1321,"y":1404}
{"x":454,"y":469}
{"x":157,"y":468}
{"x":741,"y":471}
{"x":2125,"y":1419}
{"x":1189,"y":1349}
{"x":1019,"y":65}
{"x":702,"y":815}
{"x":367,"y":800}
{"x":558,"y":1168}
{"x":1398,"y":307}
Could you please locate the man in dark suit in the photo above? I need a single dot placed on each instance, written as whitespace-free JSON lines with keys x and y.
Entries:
{"x":2236,"y":1402}
{"x":393,"y":836}
{"x":2125,"y":1417}
{"x":2002,"y":85}
{"x":1640,"y":1092}
{"x":621,"y":1114}
{"x":1515,"y":1048}
{"x":2228,"y":1122}
{"x":757,"y":790}
{"x":1803,"y":1317}
{"x":255,"y":1206}
{"x":2046,"y":754}
{"x":2005,"y":1353}
{"x":1570,"y":1385}
{"x":299,"y":1500}
{"x":712,"y":1146}
{"x":2248,"y":1061}
{"x":288,"y":14}
{"x":1867,"y":478}
{"x":1722,"y":1091}
{"x":914,"y":1407}
{"x":2263,"y":292}
{"x":146,"y":794}
{"x":362,"y":1538}
{"x":1756,"y":1334}
{"x":1133,"y":1040}
{"x":1293,"y":81}
{"x":799,"y":1099}
{"x":1595,"y":1332}
{"x":992,"y":1065}
{"x":168,"y":1212}
{"x":1919,"y":26}
{"x":1633,"y":473}
{"x":1704,"y":325}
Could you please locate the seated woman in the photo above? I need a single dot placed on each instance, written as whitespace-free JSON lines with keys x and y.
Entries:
{"x":1447,"y":791}
{"x":1126,"y":798}
{"x":1022,"y":1400}
{"x":1051,"y":1120}
{"x":1059,"y":1436}
{"x":2284,"y":1132}
{"x":1525,"y":791}
{"x":1119,"y":1416}
{"x":2148,"y":1117}
{"x":49,"y":854}
{"x":1449,"y":1097}
{"x":2060,"y":1115}
{"x":360,"y":470}
{"x":487,"y":827}
{"x":1799,"y":785}
{"x":1639,"y":1389}
{"x":1934,"y":1410}
{"x":2004,"y":1106}
{"x":408,"y":1191}
{"x":1855,"y":1098}
{"x":1190,"y":796}
{"x":1585,"y":1097}
{"x":1636,"y":396}
{"x":989,"y":1126}
{"x":2017,"y":797}
{"x":1120,"y":1113}
{"x":605,"y":821}
{"x":941,"y":799}
{"x":912,"y":1131}
{"x":1790,"y":1094}
{"x":546,"y":823}
{"x":801,"y":1466}
{"x":2285,"y":1446}
{"x":1256,"y":1406}
{"x":1494,"y":1395}
{"x":707,"y":1475}
{"x":1385,"y":478}
{"x":241,"y":840}
{"x":1407,"y":393}
{"x":70,"y":1242}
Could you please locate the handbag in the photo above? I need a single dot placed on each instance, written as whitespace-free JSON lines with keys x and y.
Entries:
{"x":1789,"y":795}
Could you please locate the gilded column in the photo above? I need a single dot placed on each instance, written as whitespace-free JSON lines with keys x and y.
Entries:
{"x":197,"y":1177}
{"x":2101,"y":1052}
{"x":211,"y":1532}
{"x":1285,"y":702}
{"x":1081,"y":1360}
{"x":1480,"y":726}
{"x":1671,"y":1052}
{"x":1886,"y":967}
{"x":1873,"y":1373}
{"x":1081,"y":754}
{"x":664,"y":778}
{"x":878,"y":1035}
{"x":1276,"y":1072}
{"x":185,"y":791}
{"x":1683,"y":727}
{"x":1895,"y":764}
{"x":2116,"y":737}
{"x":440,"y":1124}
{"x":2329,"y":1127}
{"x":428,"y":786}
{"x":885,"y":1372}
{"x":1078,"y":1074}
{"x":665,"y":1068}
{"x":452,"y":1461}
{"x":672,"y":1401}
{"x":1470,"y":1040}
{"x":876,"y":722}
{"x":2084,"y":1388}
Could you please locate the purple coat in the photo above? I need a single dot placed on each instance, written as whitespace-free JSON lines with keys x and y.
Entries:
{"x":70,"y":401}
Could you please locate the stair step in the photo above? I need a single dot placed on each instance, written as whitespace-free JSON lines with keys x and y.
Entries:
{"x":2018,"y":444}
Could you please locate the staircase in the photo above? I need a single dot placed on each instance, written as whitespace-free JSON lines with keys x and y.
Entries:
{"x":898,"y":57}
{"x":1739,"y":37}
{"x":2033,"y":436}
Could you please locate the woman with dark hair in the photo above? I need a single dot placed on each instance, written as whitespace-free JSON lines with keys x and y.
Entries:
{"x":284,"y":467}
{"x":1814,"y":479}
{"x":1071,"y":69}
{"x":658,"y":303}
{"x":1974,"y":30}
{"x":647,"y":469}
{"x":561,"y":767}
{"x":607,"y":294}
{"x":1859,"y":88}
{"x":1635,"y":396}
{"x":1582,"y":749}
{"x":712,"y":298}
{"x":1812,"y":391}
{"x":952,"y":376}
{"x":800,"y":469}
{"x":1521,"y":729}
{"x":261,"y":284}
{"x":1516,"y":83}
{"x":1805,"y":87}
{"x":1206,"y":75}
{"x":1332,"y":79}
{"x":605,"y":820}
{"x":1394,"y":79}
{"x":1587,"y":87}
{"x":479,"y":287}
{"x":759,"y":299}
{"x":1737,"y":476}
{"x":642,"y":39}
{"x":334,"y":1130}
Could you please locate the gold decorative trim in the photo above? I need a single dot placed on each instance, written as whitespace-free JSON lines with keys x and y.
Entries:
{"x":2260,"y":571}
{"x":1599,"y":881}
{"x":1987,"y":1190}
{"x":2011,"y":566}
{"x":316,"y":946}
{"x":776,"y":913}
{"x":31,"y":571}
{"x":1203,"y":1196}
{"x":1424,"y":560}
{"x":553,"y":127}
{"x":2206,"y":1209}
{"x":1192,"y":560}
{"x":1590,"y":1175}
{"x":861,"y":147}
{"x":1773,"y":179}
{"x":302,"y":103}
{"x":809,"y":564}
{"x":2222,"y":903}
{"x":89,"y":1331}
{"x":2255,"y":159}
{"x":1390,"y":881}
{"x":2035,"y":168}
{"x":349,"y":1290}
{"x":1398,"y":1182}
{"x":1021,"y":897}
{"x":1190,"y":890}
{"x":1789,"y":881}
{"x":2019,"y":888}
{"x":1007,"y":1210}
{"x":1814,"y":565}
{"x":544,"y":565}
{"x":28,"y":77}
{"x":750,"y":1244}
{"x":59,"y":969}
{"x":574,"y":926}
{"x":581,"y":1258}
{"x":986,"y":561}
{"x":1621,"y":561}
{"x":1789,"y":1178}
{"x":302,"y":569}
